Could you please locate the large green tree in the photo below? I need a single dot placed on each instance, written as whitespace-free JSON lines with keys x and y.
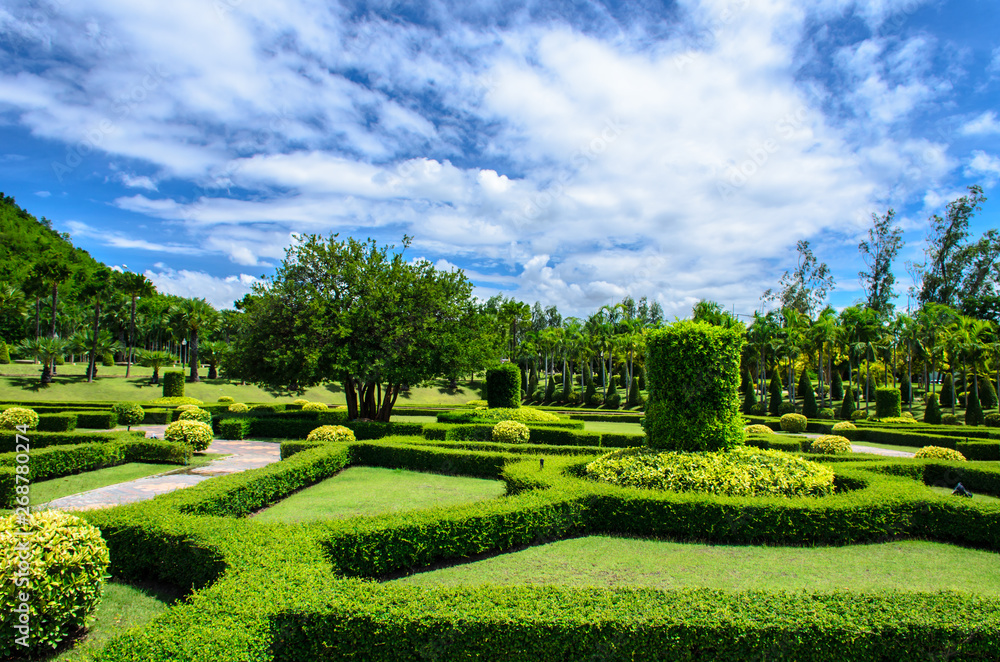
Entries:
{"x":133,"y":286}
{"x":357,"y":313}
{"x":878,"y":251}
{"x":192,"y":317}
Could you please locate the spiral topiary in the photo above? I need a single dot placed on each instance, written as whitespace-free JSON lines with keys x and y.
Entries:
{"x":196,"y":414}
{"x":66,"y":561}
{"x":195,"y":434}
{"x":511,"y":432}
{"x":314,"y":406}
{"x":238,"y":408}
{"x":844,"y":425}
{"x":225,"y":398}
{"x":18,"y":418}
{"x":794,"y":423}
{"x":757,"y":428}
{"x":831,"y":444}
{"x":938,"y":453}
{"x":332,"y":433}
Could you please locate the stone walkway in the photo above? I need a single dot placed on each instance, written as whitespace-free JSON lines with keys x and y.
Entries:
{"x":241,"y":455}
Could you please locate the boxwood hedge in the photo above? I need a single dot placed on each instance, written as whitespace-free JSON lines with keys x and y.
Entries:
{"x":306,"y":591}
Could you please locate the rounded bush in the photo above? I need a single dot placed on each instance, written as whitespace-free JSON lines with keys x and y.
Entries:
{"x":786,"y":408}
{"x":938,"y":453}
{"x":225,"y":398}
{"x":187,"y":407}
{"x":908,"y":420}
{"x":195,"y":434}
{"x":238,"y":408}
{"x":950,"y":419}
{"x":511,"y":432}
{"x":757,"y":428}
{"x":825,"y":414}
{"x":992,"y":420}
{"x":66,"y":565}
{"x":18,"y":418}
{"x":263,"y":407}
{"x":858,"y":414}
{"x":523,"y":414}
{"x":740,"y":471}
{"x":314,"y":406}
{"x":844,"y":425}
{"x":129,"y":413}
{"x":174,"y":401}
{"x":831,"y":444}
{"x":759,"y":409}
{"x":794,"y":423}
{"x":300,"y":402}
{"x":335,"y":433}
{"x":196,"y":414}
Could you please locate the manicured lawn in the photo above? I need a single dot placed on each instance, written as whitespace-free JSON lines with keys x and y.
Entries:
{"x":611,"y":562}
{"x":373,"y":491}
{"x":610,"y":426}
{"x":47,"y":490}
{"x":122,"y":607}
{"x":976,"y":498}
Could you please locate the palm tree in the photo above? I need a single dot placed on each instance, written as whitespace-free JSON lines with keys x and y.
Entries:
{"x":823,"y":331}
{"x":46,"y":350}
{"x":154,"y":359}
{"x":194,"y":316}
{"x":95,"y":290}
{"x":134,"y":286}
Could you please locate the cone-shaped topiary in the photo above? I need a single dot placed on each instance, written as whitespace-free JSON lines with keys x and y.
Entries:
{"x":532,"y":383}
{"x":805,"y":384}
{"x":694,"y":373}
{"x":614,"y":399}
{"x":836,"y":386}
{"x":524,"y":383}
{"x":905,"y":390}
{"x":567,"y":389}
{"x":4,"y":353}
{"x":550,"y":390}
{"x":590,"y":395}
{"x":987,"y":395}
{"x":745,"y":381}
{"x":749,"y":400}
{"x":947,"y":398}
{"x":634,"y":399}
{"x":809,"y":407}
{"x":973,"y":410}
{"x":847,"y":406}
{"x":774,"y":389}
{"x":932,"y":411}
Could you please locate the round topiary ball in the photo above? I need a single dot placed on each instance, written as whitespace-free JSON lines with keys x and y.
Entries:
{"x":196,"y":414}
{"x":844,"y":425}
{"x":992,"y":420}
{"x":831,"y":444}
{"x":129,"y":413}
{"x":938,"y":453}
{"x":858,"y":414}
{"x":238,"y":408}
{"x":195,"y":434}
{"x":66,"y":561}
{"x":511,"y":432}
{"x":332,"y":433}
{"x":18,"y":418}
{"x":314,"y":406}
{"x":757,"y":428}
{"x":187,"y":407}
{"x":225,"y":398}
{"x":950,"y":419}
{"x":300,"y":402}
{"x":794,"y":423}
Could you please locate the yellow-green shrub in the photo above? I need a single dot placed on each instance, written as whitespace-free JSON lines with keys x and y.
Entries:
{"x":173,"y":401}
{"x":195,"y":434}
{"x":225,"y":398}
{"x":314,"y":406}
{"x":758,"y":428}
{"x":938,"y":453}
{"x":844,"y":425}
{"x":831,"y":444}
{"x":18,"y":418}
{"x":522,"y":414}
{"x":511,"y":432}
{"x":335,"y":433}
{"x":741,"y":471}
{"x":187,"y":407}
{"x":196,"y":414}
{"x":238,"y":408}
{"x":300,"y":401}
{"x":66,"y":560}
{"x":794,"y":423}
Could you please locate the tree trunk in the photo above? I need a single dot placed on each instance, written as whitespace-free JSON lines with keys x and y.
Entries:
{"x":819,"y":371}
{"x":352,"y":397}
{"x":131,"y":342}
{"x":92,"y":368}
{"x":193,"y":355}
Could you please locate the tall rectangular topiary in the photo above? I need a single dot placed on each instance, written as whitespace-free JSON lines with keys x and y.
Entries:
{"x":173,"y":384}
{"x":888,"y":403}
{"x":693,"y":375}
{"x":503,"y":386}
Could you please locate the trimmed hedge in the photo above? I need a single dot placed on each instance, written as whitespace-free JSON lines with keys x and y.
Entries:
{"x":57,"y":422}
{"x":503,"y":386}
{"x":8,"y":440}
{"x":173,"y":384}
{"x":888,"y":402}
{"x":97,"y":420}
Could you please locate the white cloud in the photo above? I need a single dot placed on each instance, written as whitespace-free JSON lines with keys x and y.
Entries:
{"x":986,"y":165}
{"x":220,"y":292}
{"x":137,"y":181}
{"x":43,"y":194}
{"x":983,"y":125}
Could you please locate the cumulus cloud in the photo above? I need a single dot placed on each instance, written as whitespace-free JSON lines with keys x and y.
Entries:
{"x":220,"y":292}
{"x":983,"y":125}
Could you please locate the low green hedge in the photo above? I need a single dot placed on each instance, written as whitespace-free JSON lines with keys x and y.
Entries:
{"x":295,"y":446}
{"x":780,"y":442}
{"x":96,"y":420}
{"x":57,"y":422}
{"x":156,"y":416}
{"x":8,"y":439}
{"x":607,"y":418}
{"x":979,"y":450}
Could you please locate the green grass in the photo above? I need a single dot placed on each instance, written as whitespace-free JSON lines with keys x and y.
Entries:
{"x":121,"y":607}
{"x":71,"y":384}
{"x":611,"y":426}
{"x":976,"y":498}
{"x":56,"y":488}
{"x":614,"y":562}
{"x":365,"y":491}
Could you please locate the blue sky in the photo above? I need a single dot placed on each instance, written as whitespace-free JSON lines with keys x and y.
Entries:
{"x":567,"y":152}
